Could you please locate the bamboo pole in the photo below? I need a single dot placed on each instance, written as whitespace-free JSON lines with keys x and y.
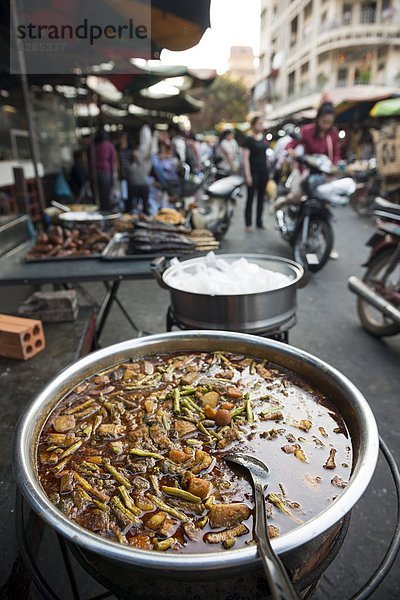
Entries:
{"x":34,"y":148}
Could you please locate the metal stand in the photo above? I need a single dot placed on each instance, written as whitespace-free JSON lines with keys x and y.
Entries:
{"x":30,"y":562}
{"x":280,"y":335}
{"x":105,"y":307}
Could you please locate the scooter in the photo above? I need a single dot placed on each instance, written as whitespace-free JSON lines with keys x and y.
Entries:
{"x":214,"y":209}
{"x":378,"y":301}
{"x":206,"y":202}
{"x":306,"y":221}
{"x":371,"y":185}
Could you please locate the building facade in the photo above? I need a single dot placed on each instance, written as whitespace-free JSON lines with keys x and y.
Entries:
{"x":309,"y":46}
{"x":242,"y":65}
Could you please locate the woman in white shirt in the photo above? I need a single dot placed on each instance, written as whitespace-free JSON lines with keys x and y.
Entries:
{"x":227,"y":153}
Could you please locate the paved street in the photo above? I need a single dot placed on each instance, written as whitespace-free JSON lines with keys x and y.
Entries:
{"x":327,"y":327}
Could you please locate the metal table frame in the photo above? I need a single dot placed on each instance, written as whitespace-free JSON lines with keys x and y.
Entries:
{"x":14,"y":271}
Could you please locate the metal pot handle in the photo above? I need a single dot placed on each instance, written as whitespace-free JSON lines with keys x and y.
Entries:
{"x":305,"y":279}
{"x":158,"y":266}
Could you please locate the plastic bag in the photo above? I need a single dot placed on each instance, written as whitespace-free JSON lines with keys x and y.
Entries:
{"x":62,"y":189}
{"x":271,"y":189}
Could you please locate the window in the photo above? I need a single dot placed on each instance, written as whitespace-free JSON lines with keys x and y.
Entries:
{"x":368,"y":12}
{"x":308,"y":20}
{"x":293,"y":32}
{"x":263,"y":19}
{"x":347,"y":14}
{"x":308,"y":11}
{"x":362,"y":76}
{"x":342,"y":77}
{"x":323,"y":57}
{"x":304,"y":68}
{"x":291,"y":80}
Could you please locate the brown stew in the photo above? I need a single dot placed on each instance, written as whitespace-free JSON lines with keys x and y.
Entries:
{"x":136,"y":453}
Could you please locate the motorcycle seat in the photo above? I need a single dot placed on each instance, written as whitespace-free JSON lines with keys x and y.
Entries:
{"x":223,"y":188}
{"x":386,"y":206}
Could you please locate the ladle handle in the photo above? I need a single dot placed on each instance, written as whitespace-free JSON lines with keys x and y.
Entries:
{"x":279,"y":581}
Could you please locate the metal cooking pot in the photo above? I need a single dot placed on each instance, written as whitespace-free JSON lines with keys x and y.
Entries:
{"x":73,"y":218}
{"x":249,"y":313}
{"x":295,"y":546}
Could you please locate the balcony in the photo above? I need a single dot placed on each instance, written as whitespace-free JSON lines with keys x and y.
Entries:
{"x":366,"y":18}
{"x":341,"y":33}
{"x":370,"y":28}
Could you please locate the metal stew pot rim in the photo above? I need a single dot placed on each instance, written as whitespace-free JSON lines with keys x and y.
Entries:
{"x":296,"y":269}
{"x":27,"y":433}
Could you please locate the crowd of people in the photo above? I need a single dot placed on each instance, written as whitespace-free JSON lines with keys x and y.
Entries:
{"x":141,"y":173}
{"x":134,"y":173}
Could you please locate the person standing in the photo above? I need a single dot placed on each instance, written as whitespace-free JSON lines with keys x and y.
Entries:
{"x":178,"y":143}
{"x":255,"y":170}
{"x":78,"y":176}
{"x":227,"y":154}
{"x":105,"y":164}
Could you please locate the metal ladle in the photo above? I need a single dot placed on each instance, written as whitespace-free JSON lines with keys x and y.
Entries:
{"x":279,"y":581}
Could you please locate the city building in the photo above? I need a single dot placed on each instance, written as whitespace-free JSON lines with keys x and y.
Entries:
{"x":242,"y":65}
{"x":310,"y":46}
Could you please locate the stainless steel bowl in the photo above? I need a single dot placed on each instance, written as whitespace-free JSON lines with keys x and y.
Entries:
{"x":250,"y":313}
{"x":300,"y":541}
{"x":85,"y":216}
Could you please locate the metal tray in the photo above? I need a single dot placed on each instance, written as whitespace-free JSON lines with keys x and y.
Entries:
{"x":28,"y":260}
{"x":77,"y":217}
{"x":116,"y":250}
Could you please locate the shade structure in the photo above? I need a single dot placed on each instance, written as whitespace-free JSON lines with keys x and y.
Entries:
{"x":147,"y":73}
{"x":178,"y":105}
{"x":174,"y":24}
{"x":386,"y":108}
{"x":354,"y":103}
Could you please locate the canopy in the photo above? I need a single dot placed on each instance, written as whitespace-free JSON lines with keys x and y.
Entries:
{"x":176,"y":105}
{"x":354,"y":103}
{"x":386,"y":108}
{"x":147,"y":73}
{"x":174,"y":24}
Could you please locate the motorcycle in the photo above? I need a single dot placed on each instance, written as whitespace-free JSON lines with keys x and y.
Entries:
{"x":369,"y":185}
{"x":206,"y":201}
{"x":214,"y":209}
{"x":305,"y":221}
{"x":367,"y":188}
{"x":378,"y":301}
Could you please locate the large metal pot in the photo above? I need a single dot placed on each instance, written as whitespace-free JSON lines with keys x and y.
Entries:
{"x":295,"y":546}
{"x":249,"y":313}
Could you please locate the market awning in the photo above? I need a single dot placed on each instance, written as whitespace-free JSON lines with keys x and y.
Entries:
{"x":174,"y":25}
{"x":178,"y":105}
{"x":386,"y":108}
{"x":147,"y":73}
{"x":354,"y":103}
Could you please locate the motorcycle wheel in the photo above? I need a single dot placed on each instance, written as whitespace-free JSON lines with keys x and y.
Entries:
{"x":319,"y":241}
{"x":372,"y":319}
{"x":362,"y":203}
{"x":222,"y":228}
